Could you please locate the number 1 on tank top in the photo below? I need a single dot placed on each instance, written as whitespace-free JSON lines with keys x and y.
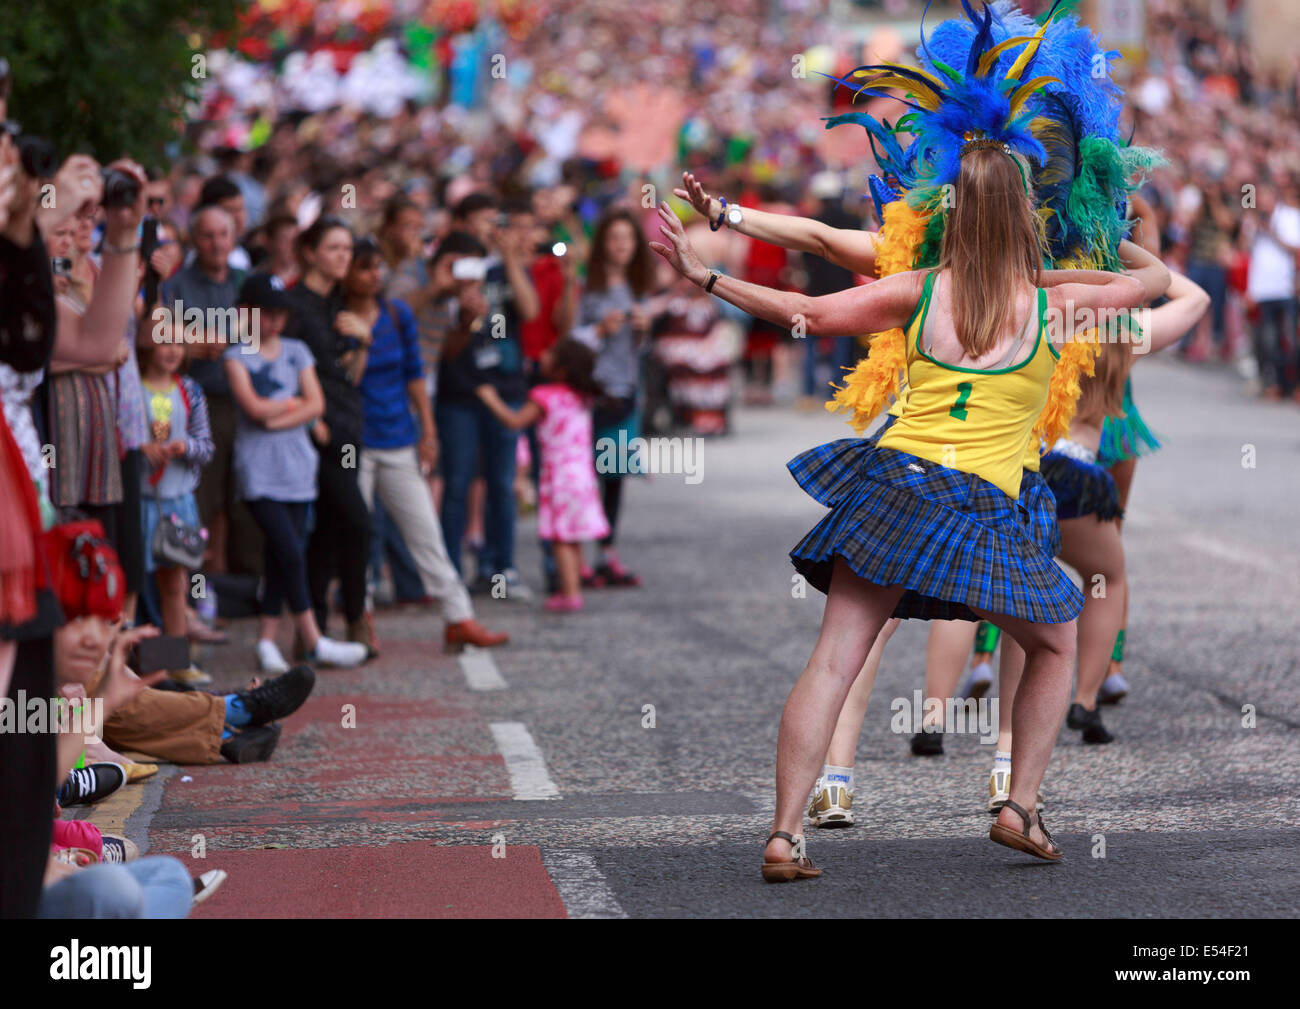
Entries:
{"x":959,"y":408}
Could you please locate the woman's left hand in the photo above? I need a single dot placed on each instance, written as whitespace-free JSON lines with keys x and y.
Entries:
{"x":351,"y":324}
{"x":427,"y":450}
{"x":679,"y":252}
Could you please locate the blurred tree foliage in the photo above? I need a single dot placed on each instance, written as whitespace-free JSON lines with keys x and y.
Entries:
{"x":109,"y":78}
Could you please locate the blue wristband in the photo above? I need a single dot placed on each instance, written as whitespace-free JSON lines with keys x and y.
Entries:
{"x":715,"y":225}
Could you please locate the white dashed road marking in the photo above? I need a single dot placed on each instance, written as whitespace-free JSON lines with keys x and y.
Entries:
{"x":528,"y":775}
{"x":580,"y":884}
{"x":480,"y":669}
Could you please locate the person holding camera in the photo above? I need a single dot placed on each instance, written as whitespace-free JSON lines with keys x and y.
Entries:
{"x":469,"y":434}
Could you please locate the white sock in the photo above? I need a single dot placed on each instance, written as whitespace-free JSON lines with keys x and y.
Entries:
{"x":838,"y":775}
{"x":1001,"y":761}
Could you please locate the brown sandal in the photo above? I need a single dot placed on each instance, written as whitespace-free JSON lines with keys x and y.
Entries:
{"x":1023,"y":842}
{"x":785,"y":872}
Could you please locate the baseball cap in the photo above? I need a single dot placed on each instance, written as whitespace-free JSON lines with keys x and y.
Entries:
{"x":263,"y":290}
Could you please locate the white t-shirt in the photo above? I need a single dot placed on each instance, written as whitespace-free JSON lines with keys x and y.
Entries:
{"x":1272,"y":266}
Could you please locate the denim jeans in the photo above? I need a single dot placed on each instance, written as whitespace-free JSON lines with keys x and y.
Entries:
{"x":1275,"y":343}
{"x":154,"y":887}
{"x":1214,"y":278}
{"x":472,"y":440}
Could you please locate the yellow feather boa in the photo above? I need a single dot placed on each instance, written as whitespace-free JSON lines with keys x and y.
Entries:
{"x":875,"y":379}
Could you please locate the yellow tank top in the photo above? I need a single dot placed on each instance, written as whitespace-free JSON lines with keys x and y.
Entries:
{"x":972,"y":419}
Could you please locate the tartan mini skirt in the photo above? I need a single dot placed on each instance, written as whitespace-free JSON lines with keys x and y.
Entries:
{"x":953,"y":540}
{"x":1081,"y":486}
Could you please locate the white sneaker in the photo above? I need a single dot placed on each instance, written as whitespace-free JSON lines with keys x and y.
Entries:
{"x":338,"y":653}
{"x":206,"y":884}
{"x":975,"y":684}
{"x":1000,"y":791}
{"x":831,"y":805}
{"x":269,"y":659}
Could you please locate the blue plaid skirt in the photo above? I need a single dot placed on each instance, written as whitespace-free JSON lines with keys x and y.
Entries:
{"x":1081,"y":488}
{"x":953,"y":540}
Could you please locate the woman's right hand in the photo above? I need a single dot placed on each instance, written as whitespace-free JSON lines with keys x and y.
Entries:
{"x":155,"y":452}
{"x":611,"y":323}
{"x":320,"y":433}
{"x":351,"y":324}
{"x":679,"y":253}
{"x":120,"y":685}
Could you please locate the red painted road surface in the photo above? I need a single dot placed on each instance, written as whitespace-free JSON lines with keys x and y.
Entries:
{"x":344,"y":819}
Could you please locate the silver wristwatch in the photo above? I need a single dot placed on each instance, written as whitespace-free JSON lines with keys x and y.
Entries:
{"x":734,"y":216}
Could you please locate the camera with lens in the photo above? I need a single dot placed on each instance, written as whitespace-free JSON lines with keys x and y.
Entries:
{"x":121,"y":189}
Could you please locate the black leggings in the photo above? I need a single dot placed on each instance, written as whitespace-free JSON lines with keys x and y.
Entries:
{"x":612,"y":499}
{"x":284,"y":524}
{"x":340,"y":541}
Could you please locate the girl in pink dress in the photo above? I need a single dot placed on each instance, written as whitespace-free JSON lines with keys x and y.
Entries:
{"x":569,"y":510}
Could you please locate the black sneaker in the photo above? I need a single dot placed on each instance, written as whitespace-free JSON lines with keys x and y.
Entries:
{"x":280,"y":697}
{"x":252,"y":745}
{"x":85,"y":785}
{"x":927,"y":744}
{"x":1089,"y":722}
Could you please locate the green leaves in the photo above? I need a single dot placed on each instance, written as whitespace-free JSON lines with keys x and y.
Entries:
{"x":109,"y":78}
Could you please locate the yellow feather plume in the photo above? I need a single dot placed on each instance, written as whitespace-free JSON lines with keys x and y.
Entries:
{"x":991,"y":56}
{"x":1078,"y":358}
{"x":870,"y":385}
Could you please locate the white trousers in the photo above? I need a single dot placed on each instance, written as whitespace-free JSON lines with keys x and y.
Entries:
{"x":395,"y":474}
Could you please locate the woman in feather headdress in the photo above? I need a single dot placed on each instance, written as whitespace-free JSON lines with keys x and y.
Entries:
{"x":1078,"y":188}
{"x":925,"y":522}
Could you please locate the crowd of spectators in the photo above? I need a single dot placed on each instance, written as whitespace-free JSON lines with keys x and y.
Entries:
{"x":1228,"y":202}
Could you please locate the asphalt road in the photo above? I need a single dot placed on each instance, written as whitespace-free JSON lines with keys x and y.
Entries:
{"x":545,"y":759}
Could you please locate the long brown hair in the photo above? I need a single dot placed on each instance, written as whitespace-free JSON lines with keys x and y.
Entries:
{"x":1101,"y":394}
{"x":993,"y":244}
{"x":640,"y":272}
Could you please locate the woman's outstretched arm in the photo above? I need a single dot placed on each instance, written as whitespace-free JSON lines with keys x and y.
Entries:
{"x":851,"y":249}
{"x":878,"y":306}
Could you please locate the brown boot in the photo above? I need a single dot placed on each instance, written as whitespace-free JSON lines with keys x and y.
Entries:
{"x":363,"y":632}
{"x":471,"y":632}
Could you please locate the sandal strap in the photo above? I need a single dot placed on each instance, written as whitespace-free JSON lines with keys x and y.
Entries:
{"x":1043,"y":827}
{"x":782,"y":835}
{"x":1019,"y":810}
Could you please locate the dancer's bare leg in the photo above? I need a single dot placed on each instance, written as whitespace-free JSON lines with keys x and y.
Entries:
{"x":946,"y":652}
{"x":1123,"y":472}
{"x":1094,"y":550}
{"x":844,"y":744}
{"x":1041,"y":699}
{"x":855,"y":612}
{"x":1011,"y":665}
